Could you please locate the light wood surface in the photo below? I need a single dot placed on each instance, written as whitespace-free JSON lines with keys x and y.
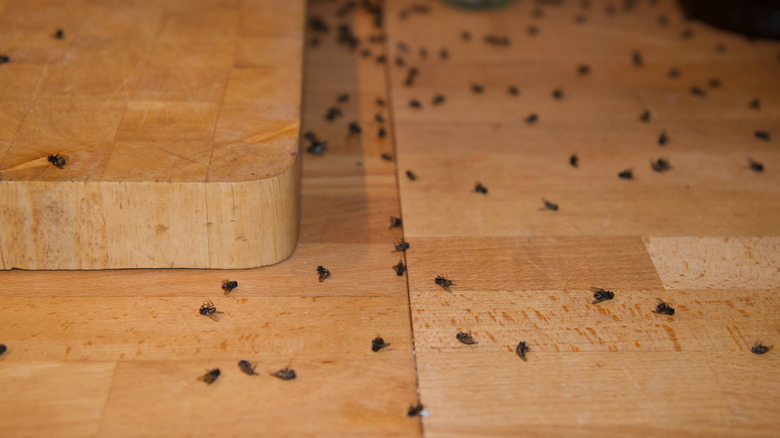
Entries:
{"x":179,"y":123}
{"x":119,"y":353}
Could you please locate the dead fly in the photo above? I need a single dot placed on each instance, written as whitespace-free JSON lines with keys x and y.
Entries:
{"x":626,"y":174}
{"x":663,"y":139}
{"x":761,"y":135}
{"x":378,"y":344}
{"x":399,"y":62}
{"x":401,"y":246}
{"x":444,"y":54}
{"x":415,"y":411}
{"x":549,"y":205}
{"x":342,"y":98}
{"x":382,"y":132}
{"x":755,"y":166}
{"x":378,"y":117}
{"x":380,"y":101}
{"x":324,"y":273}
{"x":247,"y":367}
{"x":513,"y":91}
{"x":366,"y":53}
{"x":479,"y":188}
{"x":387,"y":157}
{"x":533,"y":30}
{"x":532,"y":118}
{"x":346,"y":36}
{"x":209,"y":309}
{"x":574,"y":160}
{"x":755,"y":104}
{"x":443,"y":282}
{"x":714,"y":83}
{"x":414,"y":103}
{"x":332,"y":113}
{"x":697,"y":91}
{"x":57,"y":160}
{"x":403,"y":48}
{"x":59,"y":34}
{"x":583,"y":69}
{"x":381,"y":59}
{"x":285,"y":373}
{"x":521,"y":350}
{"x":317,"y":24}
{"x":438,"y":99}
{"x":660,"y":165}
{"x":600,"y":295}
{"x":395,"y":222}
{"x":211,"y":376}
{"x":4,"y":59}
{"x":759,"y":348}
{"x":663,"y":308}
{"x":465,"y":338}
{"x":476,"y":88}
{"x":317,"y":147}
{"x":465,"y":35}
{"x":411,"y":175}
{"x":400,"y":268}
{"x":228,"y":286}
{"x":354,"y":128}
{"x":645,"y":117}
{"x":674,"y":73}
{"x":636,"y":58}
{"x":557,"y":93}
{"x":413,"y":72}
{"x":2,"y":349}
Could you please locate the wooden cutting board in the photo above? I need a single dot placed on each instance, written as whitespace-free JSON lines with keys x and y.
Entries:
{"x":178,"y":122}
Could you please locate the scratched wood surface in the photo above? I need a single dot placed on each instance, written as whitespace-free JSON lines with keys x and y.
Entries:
{"x":179,"y":122}
{"x":702,"y":236}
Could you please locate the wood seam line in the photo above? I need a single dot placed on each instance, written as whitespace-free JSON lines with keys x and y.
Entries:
{"x":391,"y":127}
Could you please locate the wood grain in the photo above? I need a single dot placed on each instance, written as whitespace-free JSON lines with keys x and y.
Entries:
{"x":179,"y":122}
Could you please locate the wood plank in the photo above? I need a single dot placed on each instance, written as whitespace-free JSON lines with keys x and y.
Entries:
{"x":132,"y":97}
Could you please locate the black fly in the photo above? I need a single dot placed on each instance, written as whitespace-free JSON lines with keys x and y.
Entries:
{"x":698,"y":91}
{"x":59,"y":34}
{"x":645,"y":117}
{"x":626,"y":174}
{"x":755,"y":104}
{"x":414,"y":103}
{"x":755,"y":166}
{"x":209,"y":309}
{"x":354,"y":128}
{"x":438,"y":99}
{"x":247,"y":367}
{"x":521,"y":350}
{"x":465,"y":338}
{"x":323,"y":273}
{"x":400,"y":268}
{"x":211,"y":376}
{"x":601,"y":295}
{"x":759,"y":348}
{"x":401,"y":246}
{"x":549,"y":205}
{"x":532,"y":118}
{"x":663,"y":308}
{"x":583,"y":69}
{"x":415,"y":411}
{"x":557,"y":93}
{"x":443,"y":282}
{"x":2,"y":349}
{"x":285,"y":373}
{"x":57,"y":160}
{"x":636,"y":57}
{"x":762,"y":135}
{"x":663,"y":139}
{"x":660,"y":165}
{"x":513,"y":91}
{"x":574,"y":160}
{"x":479,"y":188}
{"x":411,"y":175}
{"x":395,"y":222}
{"x":378,"y":344}
{"x":228,"y":286}
{"x":476,"y":88}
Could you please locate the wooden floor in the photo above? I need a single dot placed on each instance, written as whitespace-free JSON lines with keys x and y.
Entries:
{"x":119,"y":353}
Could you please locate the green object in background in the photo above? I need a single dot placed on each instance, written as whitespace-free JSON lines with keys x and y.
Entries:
{"x":478,"y":4}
